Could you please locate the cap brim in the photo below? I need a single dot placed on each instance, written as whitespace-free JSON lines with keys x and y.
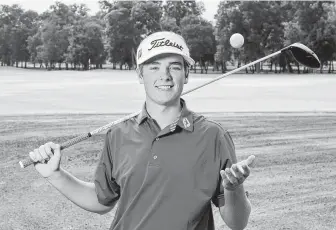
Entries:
{"x":188,"y":59}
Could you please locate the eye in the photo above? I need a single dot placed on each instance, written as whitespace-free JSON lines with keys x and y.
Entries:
{"x":176,"y":67}
{"x":153,"y":68}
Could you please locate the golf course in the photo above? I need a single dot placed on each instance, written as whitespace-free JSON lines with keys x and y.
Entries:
{"x":288,"y":121}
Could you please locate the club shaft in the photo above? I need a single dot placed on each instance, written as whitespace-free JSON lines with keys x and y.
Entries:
{"x":232,"y":72}
{"x":26,"y":162}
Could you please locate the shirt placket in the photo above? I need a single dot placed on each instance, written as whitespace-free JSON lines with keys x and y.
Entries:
{"x":155,"y":151}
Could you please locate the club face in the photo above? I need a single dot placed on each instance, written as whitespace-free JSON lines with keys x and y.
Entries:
{"x":304,"y":55}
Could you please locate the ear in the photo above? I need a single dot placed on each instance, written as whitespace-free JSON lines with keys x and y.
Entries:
{"x":186,"y":79}
{"x":140,"y":77}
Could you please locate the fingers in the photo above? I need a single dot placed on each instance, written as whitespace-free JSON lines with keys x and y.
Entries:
{"x":231,"y":177}
{"x":250,"y":161}
{"x":246,"y":170}
{"x":240,"y":170}
{"x":237,"y":170}
{"x":45,"y":152}
{"x":56,"y":149}
{"x":48,"y":150}
{"x":243,"y":168}
{"x":224,"y":177}
{"x":237,"y":173}
{"x":245,"y":165}
{"x":38,"y":156}
{"x":42,"y":151}
{"x":33,"y":157}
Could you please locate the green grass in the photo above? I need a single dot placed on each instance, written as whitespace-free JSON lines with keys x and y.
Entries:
{"x":291,"y":187}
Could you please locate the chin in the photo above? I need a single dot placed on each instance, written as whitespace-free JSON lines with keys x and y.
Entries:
{"x":166,"y":102}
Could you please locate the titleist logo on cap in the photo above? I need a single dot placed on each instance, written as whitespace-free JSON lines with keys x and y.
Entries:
{"x":164,"y":42}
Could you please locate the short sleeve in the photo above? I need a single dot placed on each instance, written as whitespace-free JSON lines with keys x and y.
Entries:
{"x":107,"y":189}
{"x":226,"y":150}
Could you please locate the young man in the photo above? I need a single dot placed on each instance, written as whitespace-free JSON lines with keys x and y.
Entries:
{"x":165,"y":166}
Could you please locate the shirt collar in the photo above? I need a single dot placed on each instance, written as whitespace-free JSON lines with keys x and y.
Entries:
{"x":185,"y":120}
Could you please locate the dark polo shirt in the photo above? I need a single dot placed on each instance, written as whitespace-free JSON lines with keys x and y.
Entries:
{"x":164,"y":179}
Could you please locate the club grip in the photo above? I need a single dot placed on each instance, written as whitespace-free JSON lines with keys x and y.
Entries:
{"x":75,"y":140}
{"x":28,"y":161}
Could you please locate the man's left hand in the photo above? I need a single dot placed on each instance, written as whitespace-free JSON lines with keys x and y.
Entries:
{"x":236,"y":175}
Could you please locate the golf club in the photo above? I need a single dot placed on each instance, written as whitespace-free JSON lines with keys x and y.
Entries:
{"x":301,"y":53}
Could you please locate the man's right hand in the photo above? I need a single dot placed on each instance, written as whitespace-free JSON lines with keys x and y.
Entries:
{"x":47,"y":158}
{"x":79,"y":192}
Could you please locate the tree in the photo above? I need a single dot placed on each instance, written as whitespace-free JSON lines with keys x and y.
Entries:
{"x":292,"y":34}
{"x":181,"y":9}
{"x":121,"y":33}
{"x":57,"y":33}
{"x":10,"y":24}
{"x":5,"y":47}
{"x":147,"y":15}
{"x":86,"y":44}
{"x":59,"y":24}
{"x":314,"y":25}
{"x":259,"y":22}
{"x":228,"y":19}
{"x":32,"y":43}
{"x":28,"y":27}
{"x":51,"y":51}
{"x":199,"y":35}
{"x":331,"y":29}
{"x":127,"y":23}
{"x":169,"y":24}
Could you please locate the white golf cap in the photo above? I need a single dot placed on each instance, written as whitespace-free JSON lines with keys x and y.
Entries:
{"x":163,"y":42}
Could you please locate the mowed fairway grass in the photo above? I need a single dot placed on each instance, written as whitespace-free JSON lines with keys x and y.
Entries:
{"x":291,"y":187}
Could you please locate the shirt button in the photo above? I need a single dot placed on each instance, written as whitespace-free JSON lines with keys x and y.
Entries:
{"x":155,"y":157}
{"x":157,"y":139}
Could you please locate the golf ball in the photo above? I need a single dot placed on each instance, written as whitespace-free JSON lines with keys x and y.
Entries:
{"x":237,"y":40}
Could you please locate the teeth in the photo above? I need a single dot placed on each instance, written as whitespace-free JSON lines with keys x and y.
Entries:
{"x":164,"y":87}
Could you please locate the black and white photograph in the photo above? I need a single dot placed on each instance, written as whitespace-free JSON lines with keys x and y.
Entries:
{"x":167,"y":115}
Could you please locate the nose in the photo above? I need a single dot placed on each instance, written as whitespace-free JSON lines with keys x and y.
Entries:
{"x":165,"y":74}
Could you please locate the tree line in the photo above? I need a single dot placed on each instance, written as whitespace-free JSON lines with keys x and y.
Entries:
{"x":66,"y":36}
{"x":269,"y":26}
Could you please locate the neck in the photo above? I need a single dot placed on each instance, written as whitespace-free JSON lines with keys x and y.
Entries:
{"x":164,"y":114}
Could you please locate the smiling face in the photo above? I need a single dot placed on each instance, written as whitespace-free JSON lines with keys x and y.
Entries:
{"x":163,"y":78}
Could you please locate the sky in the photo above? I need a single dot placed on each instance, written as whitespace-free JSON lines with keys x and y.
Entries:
{"x":42,"y":5}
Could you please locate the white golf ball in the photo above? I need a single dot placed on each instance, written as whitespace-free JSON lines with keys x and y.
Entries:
{"x":237,"y":40}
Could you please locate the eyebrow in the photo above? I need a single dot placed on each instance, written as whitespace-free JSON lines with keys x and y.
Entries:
{"x":158,"y":63}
